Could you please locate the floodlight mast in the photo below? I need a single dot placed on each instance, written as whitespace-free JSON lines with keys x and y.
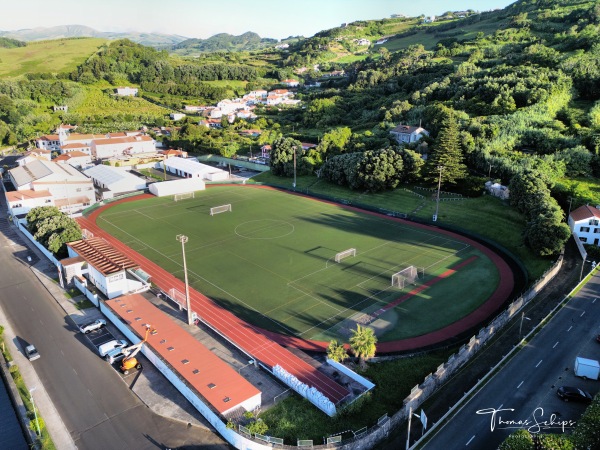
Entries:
{"x":183,"y":239}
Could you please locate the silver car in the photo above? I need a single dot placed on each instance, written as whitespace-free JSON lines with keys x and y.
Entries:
{"x":31,"y":352}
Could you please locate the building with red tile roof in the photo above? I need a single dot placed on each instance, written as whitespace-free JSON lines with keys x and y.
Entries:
{"x":584,"y":223}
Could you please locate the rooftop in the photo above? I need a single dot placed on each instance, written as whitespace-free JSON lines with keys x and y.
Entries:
{"x":103,"y":256}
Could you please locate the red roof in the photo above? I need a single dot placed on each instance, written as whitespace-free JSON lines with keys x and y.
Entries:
{"x":214,"y":379}
{"x":585,"y":212}
{"x":76,"y":145}
{"x":26,"y":194}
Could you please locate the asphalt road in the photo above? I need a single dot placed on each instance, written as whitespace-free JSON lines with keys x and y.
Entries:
{"x":95,"y":404}
{"x":523,"y":393}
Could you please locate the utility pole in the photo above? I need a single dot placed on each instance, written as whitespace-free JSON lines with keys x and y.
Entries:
{"x":490,"y":172}
{"x":183,"y":239}
{"x":437,"y":200}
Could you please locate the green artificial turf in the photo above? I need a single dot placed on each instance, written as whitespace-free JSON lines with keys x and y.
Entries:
{"x":271,"y":261}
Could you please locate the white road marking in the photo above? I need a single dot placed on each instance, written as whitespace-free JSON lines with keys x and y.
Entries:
{"x":520,"y":384}
{"x":581,"y":315}
{"x":570,"y":328}
{"x":469,"y":441}
{"x":555,"y":344}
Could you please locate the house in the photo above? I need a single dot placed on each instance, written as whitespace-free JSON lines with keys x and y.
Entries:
{"x":77,"y":159}
{"x":111,"y":147}
{"x":33,"y":155}
{"x":308,"y":145}
{"x":362,"y":41}
{"x":408,"y":134}
{"x":126,"y":91}
{"x":266,"y":151}
{"x":176,"y":116}
{"x":497,"y":190}
{"x":291,"y":83}
{"x":48,"y":142}
{"x":71,"y":190}
{"x":76,"y":147}
{"x":64,"y":108}
{"x":113,"y":181}
{"x":20,"y":202}
{"x":170,"y":153}
{"x":584,"y":223}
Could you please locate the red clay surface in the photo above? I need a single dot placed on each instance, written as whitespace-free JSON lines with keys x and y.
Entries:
{"x":247,"y":337}
{"x":485,"y":311}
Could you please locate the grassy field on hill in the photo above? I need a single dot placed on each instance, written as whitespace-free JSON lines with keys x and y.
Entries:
{"x":61,"y":55}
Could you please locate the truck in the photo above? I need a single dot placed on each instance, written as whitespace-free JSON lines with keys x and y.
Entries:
{"x":587,"y":368}
{"x":130,"y":361}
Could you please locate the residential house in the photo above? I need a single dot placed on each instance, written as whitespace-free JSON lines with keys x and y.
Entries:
{"x":64,"y":108}
{"x":407,"y":134}
{"x":48,"y":142}
{"x":34,"y":154}
{"x":76,"y":158}
{"x":170,"y":153}
{"x":362,"y":41}
{"x":176,"y":116}
{"x":71,"y":190}
{"x":21,"y":202}
{"x":291,"y":83}
{"x":308,"y":145}
{"x":126,"y":91}
{"x":76,"y":147}
{"x":584,"y":223}
{"x":265,"y":151}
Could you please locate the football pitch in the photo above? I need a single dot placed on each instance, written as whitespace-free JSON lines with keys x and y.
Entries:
{"x":271,"y":261}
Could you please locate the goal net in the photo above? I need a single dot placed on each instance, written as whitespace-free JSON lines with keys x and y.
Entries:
{"x":345,"y":254}
{"x":183,"y":196}
{"x":410,"y":275}
{"x":219,"y":209}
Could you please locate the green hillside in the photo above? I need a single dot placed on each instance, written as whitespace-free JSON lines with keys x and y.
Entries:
{"x":62,"y":55}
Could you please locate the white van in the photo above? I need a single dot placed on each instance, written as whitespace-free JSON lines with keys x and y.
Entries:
{"x":115,"y":355}
{"x":111,"y":345}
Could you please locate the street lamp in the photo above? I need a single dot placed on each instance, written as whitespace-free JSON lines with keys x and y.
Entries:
{"x":294,"y":185}
{"x":37,"y":424}
{"x":183,"y":239}
{"x":521,"y":326}
{"x":490,"y":172}
{"x":583,"y":264}
{"x":437,"y":200}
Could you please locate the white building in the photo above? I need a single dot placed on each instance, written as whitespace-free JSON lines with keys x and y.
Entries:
{"x":584,"y":223}
{"x":113,"y":181}
{"x":291,"y":83}
{"x":77,"y":159}
{"x":126,"y":91}
{"x":113,"y":273}
{"x":71,"y":190}
{"x":20,"y":202}
{"x":176,"y":116}
{"x":48,"y":142}
{"x":408,"y":134}
{"x":32,"y":155}
{"x":172,"y":187}
{"x":76,"y":147}
{"x":118,"y":146}
{"x":190,"y":168}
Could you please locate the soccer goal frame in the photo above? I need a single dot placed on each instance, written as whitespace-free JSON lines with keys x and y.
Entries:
{"x":220,"y":209}
{"x":410,"y":275}
{"x":183,"y":196}
{"x":345,"y":254}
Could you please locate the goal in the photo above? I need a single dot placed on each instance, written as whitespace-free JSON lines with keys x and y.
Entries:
{"x":183,"y":196}
{"x":219,"y":209}
{"x":345,"y":254}
{"x":410,"y":275}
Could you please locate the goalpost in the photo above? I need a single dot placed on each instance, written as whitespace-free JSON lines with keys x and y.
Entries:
{"x":410,"y":275}
{"x":219,"y":209}
{"x":345,"y":254}
{"x":183,"y":196}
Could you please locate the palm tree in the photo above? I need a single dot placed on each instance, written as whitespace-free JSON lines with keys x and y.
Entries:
{"x":336,"y":352}
{"x":362,"y":343}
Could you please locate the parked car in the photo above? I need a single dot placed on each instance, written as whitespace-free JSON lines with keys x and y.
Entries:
{"x":111,"y":345}
{"x":31,"y":352}
{"x":92,"y":326}
{"x":115,"y":355}
{"x":569,"y":393}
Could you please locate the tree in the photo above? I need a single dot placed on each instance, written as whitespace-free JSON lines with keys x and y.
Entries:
{"x":53,"y":229}
{"x":282,"y":158}
{"x":446,"y":153}
{"x":336,"y":352}
{"x":363,"y":343}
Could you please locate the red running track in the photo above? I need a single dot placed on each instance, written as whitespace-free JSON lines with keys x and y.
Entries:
{"x":247,"y":337}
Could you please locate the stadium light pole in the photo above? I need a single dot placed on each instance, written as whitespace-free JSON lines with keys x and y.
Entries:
{"x":183,"y":239}
{"x":437,"y":200}
{"x":294,"y":185}
{"x":521,"y":326}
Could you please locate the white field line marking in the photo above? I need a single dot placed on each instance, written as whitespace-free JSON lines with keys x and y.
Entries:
{"x":581,"y":315}
{"x":555,"y":344}
{"x":570,"y":328}
{"x":469,"y":441}
{"x":537,"y":365}
{"x":520,"y":384}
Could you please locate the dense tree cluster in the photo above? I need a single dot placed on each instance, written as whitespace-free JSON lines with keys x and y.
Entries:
{"x":53,"y":229}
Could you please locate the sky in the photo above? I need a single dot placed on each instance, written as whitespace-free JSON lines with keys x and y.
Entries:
{"x":204,"y":18}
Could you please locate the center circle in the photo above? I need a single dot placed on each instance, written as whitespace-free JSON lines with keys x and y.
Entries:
{"x":264,"y":229}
